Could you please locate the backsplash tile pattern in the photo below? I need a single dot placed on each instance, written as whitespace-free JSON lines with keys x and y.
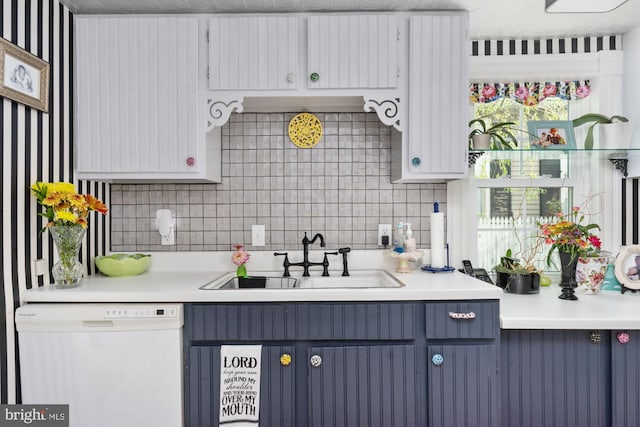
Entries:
{"x":340,"y":188}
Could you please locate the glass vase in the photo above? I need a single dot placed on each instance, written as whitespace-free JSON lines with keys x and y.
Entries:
{"x":241,"y":271}
{"x":68,"y":271}
{"x":568,"y":264}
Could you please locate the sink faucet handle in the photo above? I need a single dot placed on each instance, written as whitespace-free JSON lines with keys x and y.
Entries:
{"x":325,"y":263}
{"x":285,"y":264}
{"x":344,"y":252}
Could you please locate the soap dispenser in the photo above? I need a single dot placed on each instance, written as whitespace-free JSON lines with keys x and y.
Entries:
{"x":409,"y":242}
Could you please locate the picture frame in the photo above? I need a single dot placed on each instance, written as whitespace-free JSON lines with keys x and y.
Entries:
{"x":551,"y":135}
{"x":23,"y":76}
{"x":627,"y":267}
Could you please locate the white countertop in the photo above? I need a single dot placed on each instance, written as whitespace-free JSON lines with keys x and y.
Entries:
{"x":177,"y":277}
{"x":184,"y":287}
{"x":605,"y":310}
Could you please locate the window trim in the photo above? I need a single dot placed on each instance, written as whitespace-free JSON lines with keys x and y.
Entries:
{"x":605,"y":70}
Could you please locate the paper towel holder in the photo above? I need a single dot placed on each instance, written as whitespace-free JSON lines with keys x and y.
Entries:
{"x":446,"y":269}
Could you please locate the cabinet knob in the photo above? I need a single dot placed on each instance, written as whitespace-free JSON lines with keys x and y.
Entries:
{"x":416,"y":161}
{"x":315,"y":361}
{"x":285,"y":359}
{"x":437,"y":359}
{"x":622,"y":337}
{"x":314,"y":77}
{"x":595,"y":337}
{"x":291,"y":78}
{"x":191,"y":161}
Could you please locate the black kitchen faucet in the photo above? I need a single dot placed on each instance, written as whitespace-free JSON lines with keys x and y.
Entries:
{"x":305,"y":259}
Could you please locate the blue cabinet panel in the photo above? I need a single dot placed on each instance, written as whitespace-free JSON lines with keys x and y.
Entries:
{"x":555,"y":378}
{"x":463,"y":320}
{"x":463,"y":386}
{"x":277,"y":387}
{"x":300,"y":321}
{"x":625,"y":380}
{"x":372,"y":386}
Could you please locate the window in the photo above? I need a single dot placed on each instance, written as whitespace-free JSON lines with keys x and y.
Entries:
{"x":517,"y":189}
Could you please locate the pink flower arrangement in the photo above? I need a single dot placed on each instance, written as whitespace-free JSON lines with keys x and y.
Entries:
{"x":570,"y":235}
{"x":240,"y":258}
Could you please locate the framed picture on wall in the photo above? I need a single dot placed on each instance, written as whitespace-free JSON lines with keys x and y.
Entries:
{"x":23,"y":76}
{"x":551,"y":134}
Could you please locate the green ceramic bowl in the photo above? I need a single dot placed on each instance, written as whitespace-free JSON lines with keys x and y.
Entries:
{"x":119,"y":265}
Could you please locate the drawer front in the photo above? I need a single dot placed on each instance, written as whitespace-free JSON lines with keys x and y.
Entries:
{"x":300,"y":321}
{"x":463,"y":319}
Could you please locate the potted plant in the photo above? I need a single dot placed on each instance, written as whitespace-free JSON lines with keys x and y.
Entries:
{"x":518,"y":278}
{"x":615,"y":129}
{"x":498,"y":136}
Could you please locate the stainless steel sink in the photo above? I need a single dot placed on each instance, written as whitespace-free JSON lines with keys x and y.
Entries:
{"x":253,"y":282}
{"x":274,"y":280}
{"x":356,"y":279}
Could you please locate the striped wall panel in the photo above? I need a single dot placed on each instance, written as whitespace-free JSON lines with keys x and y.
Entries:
{"x":36,"y":146}
{"x":545,"y":46}
{"x":629,"y":211}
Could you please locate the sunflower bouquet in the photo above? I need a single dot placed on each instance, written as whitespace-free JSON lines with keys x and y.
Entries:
{"x":63,"y":205}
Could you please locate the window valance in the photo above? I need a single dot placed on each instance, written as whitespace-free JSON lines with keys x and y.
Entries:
{"x":529,"y":93}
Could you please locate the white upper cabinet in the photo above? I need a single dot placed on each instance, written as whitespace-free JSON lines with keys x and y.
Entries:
{"x":137,"y":111}
{"x":253,"y":52}
{"x":352,"y":51}
{"x":434,"y":147}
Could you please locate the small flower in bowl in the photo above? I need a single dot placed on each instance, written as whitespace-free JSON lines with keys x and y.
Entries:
{"x":240,"y":258}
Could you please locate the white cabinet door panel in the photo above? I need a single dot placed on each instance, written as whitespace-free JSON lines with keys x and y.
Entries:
{"x":353,"y":51}
{"x":136,"y":95}
{"x":438,"y":80}
{"x":254,"y":52}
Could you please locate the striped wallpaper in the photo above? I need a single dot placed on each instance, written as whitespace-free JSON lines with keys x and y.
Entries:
{"x":35,"y":146}
{"x":629,"y":215}
{"x":545,"y":46}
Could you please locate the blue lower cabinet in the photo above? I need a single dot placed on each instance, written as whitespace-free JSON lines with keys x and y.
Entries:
{"x":353,"y":364}
{"x":277,"y":387}
{"x":373,"y":386}
{"x":463,"y":385}
{"x":625,"y":378}
{"x":557,"y":378}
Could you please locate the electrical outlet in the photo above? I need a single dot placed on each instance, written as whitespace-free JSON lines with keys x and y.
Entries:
{"x":384,"y":230}
{"x":257,"y":235}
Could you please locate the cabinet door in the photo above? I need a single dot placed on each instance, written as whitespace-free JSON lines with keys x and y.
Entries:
{"x":364,"y":386}
{"x":136,"y":105}
{"x":352,"y":51}
{"x":438,"y":100}
{"x":202,"y":387}
{"x":625,"y":381}
{"x":555,"y":378}
{"x":463,"y":385}
{"x":254,"y":52}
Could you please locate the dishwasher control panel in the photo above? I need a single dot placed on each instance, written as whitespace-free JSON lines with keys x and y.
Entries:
{"x":140,"y":312}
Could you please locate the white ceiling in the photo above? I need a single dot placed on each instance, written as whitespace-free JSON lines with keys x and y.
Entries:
{"x":489,"y":19}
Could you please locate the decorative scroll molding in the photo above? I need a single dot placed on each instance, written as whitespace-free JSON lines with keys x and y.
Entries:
{"x":474,"y":156}
{"x":218,"y":111}
{"x":388,"y":111}
{"x":621,"y":165}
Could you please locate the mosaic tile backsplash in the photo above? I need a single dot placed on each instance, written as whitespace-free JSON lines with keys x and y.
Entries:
{"x":340,"y":188}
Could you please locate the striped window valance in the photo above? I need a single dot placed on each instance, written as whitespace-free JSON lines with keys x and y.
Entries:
{"x":529,"y":93}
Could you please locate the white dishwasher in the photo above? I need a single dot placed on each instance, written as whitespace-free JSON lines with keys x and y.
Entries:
{"x":116,"y":365}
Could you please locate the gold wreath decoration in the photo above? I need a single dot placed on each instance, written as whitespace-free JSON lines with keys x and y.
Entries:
{"x":305,"y":130}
